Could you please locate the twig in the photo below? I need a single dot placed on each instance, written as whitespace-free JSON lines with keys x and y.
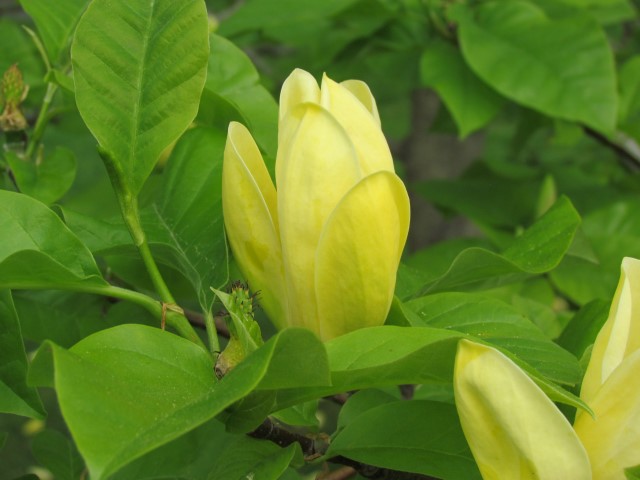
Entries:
{"x":630,"y":157}
{"x":316,"y":446}
{"x":197,"y":320}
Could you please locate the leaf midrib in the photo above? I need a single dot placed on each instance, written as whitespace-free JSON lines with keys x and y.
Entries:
{"x":133,"y":146}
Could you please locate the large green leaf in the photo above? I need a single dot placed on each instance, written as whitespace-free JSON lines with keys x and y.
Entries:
{"x":471,"y":102}
{"x":500,"y":324}
{"x":15,"y":396}
{"x":37,"y":250}
{"x":562,"y":67}
{"x":150,"y":386}
{"x":56,"y":22}
{"x":413,"y":436}
{"x":232,"y":78}
{"x":139,"y":69}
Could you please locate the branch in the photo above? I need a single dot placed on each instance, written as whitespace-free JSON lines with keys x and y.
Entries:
{"x":197,"y":319}
{"x":628,"y":151}
{"x":317,"y":445}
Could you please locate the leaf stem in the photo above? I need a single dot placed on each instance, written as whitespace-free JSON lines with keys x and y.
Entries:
{"x":212,"y":334}
{"x":154,"y":273}
{"x":174,"y":319}
{"x":41,"y":122}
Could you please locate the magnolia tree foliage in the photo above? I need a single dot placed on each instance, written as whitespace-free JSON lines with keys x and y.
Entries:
{"x":203,"y":216}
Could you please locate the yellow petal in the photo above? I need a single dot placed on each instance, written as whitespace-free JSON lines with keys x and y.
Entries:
{"x":612,"y":439}
{"x":363,"y":93}
{"x":361,"y":126}
{"x":515,"y":432}
{"x":248,"y":203}
{"x":299,"y":87}
{"x":316,"y":169}
{"x":358,"y":255}
{"x":620,"y":335}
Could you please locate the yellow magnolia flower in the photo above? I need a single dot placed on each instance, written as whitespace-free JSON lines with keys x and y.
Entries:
{"x":324,"y":248}
{"x":516,"y":432}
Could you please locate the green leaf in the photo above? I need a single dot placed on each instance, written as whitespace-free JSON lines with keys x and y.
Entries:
{"x":279,"y":14}
{"x":236,"y":81}
{"x":209,"y":452}
{"x":431,"y":263}
{"x":582,"y":330}
{"x":190,"y":456}
{"x":390,"y":355}
{"x":360,"y":402}
{"x":58,"y":454}
{"x":561,"y":67}
{"x":247,"y":458}
{"x":152,"y":386}
{"x":412,"y":436}
{"x":471,"y":102}
{"x":38,"y":251}
{"x":632,"y":473}
{"x":190,"y":210}
{"x":612,"y":232}
{"x":479,"y":194}
{"x":139,"y":69}
{"x":15,"y":396}
{"x":47,"y":179}
{"x":630,"y":90}
{"x":541,"y":247}
{"x":500,"y":324}
{"x":62,"y":317}
{"x":538,"y":250}
{"x":56,"y":22}
{"x":383,"y":356}
{"x":301,"y":415}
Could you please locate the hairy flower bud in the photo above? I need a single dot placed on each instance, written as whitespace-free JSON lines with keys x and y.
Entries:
{"x":13,"y":91}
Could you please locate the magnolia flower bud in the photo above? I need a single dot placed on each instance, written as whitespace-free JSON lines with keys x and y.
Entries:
{"x":13,"y":91}
{"x":513,"y":429}
{"x":325,"y":247}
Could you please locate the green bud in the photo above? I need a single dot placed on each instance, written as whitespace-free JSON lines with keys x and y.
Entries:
{"x":245,"y":334}
{"x":13,"y":91}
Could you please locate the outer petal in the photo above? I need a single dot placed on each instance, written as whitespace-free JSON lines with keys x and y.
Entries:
{"x":318,"y":166}
{"x":248,"y":203}
{"x":514,"y":430}
{"x":358,"y":255}
{"x":299,"y":87}
{"x":361,"y":126}
{"x":620,"y":335}
{"x":363,"y":93}
{"x":612,"y":439}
